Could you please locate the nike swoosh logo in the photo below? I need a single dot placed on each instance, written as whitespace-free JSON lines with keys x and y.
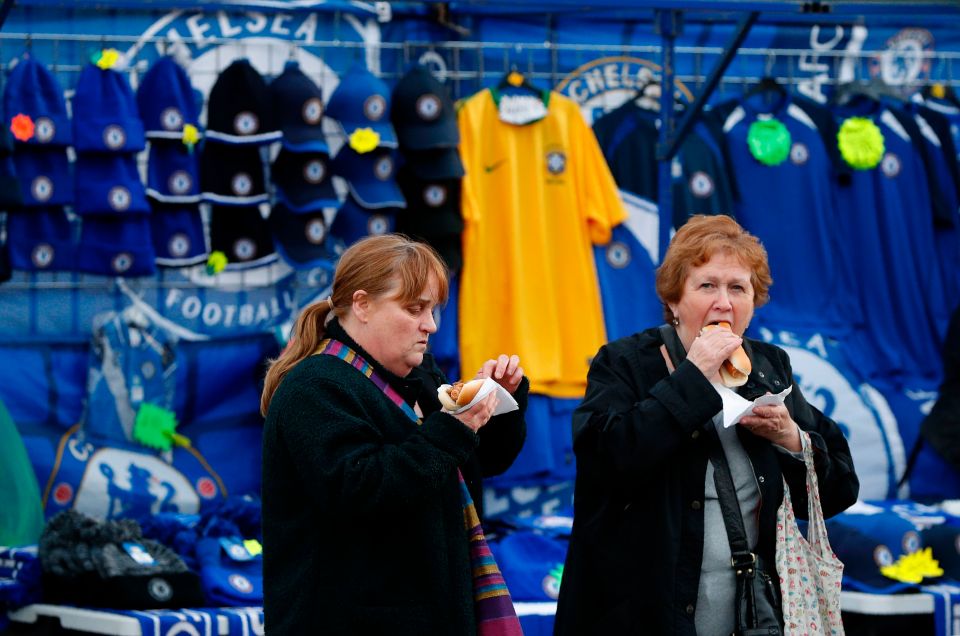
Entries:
{"x":493,"y":166}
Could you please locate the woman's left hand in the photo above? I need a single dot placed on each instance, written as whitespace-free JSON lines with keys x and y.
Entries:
{"x":506,"y":371}
{"x":773,"y":422}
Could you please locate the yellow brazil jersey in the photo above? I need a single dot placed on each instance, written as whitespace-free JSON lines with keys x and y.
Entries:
{"x":535,"y":199}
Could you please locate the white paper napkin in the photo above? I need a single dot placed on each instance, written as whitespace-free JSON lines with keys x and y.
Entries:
{"x":736,"y":407}
{"x":507,"y":403}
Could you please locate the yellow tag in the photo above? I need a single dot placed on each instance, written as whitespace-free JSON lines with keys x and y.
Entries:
{"x":912,"y":568}
{"x":107,"y":58}
{"x":364,"y":140}
{"x":190,"y":135}
{"x":253,"y":546}
{"x":180,"y":440}
{"x":938,"y":90}
{"x":515,"y":79}
{"x":216,"y":262}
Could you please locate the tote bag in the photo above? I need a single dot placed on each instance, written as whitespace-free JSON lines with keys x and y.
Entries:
{"x":809,"y":571}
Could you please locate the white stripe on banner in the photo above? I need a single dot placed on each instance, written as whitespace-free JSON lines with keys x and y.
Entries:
{"x":946,"y":608}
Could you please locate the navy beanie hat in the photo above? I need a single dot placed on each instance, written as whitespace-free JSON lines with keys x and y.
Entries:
{"x":33,"y":91}
{"x":166,"y":100}
{"x":105,"y":114}
{"x":239,"y":110}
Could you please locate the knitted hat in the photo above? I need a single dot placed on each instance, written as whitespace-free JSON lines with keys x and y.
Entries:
{"x":438,"y":163}
{"x":865,"y":543}
{"x":109,"y":184}
{"x":239,"y":111}
{"x":242,"y":234}
{"x":44,"y":176}
{"x":362,"y":100}
{"x":177,"y":232}
{"x":301,"y":238}
{"x":231,"y":576}
{"x":112,"y":245}
{"x":173,"y":172}
{"x":370,"y":177}
{"x":41,"y":240}
{"x":232,"y":175}
{"x":532,"y":565}
{"x":422,"y":112}
{"x":105,"y":115}
{"x":303,"y":180}
{"x":166,"y":100}
{"x":33,"y":92}
{"x":353,"y":221}
{"x":110,"y":564}
{"x":298,"y":106}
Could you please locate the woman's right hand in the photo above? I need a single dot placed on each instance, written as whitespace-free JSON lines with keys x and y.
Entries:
{"x":710,"y":349}
{"x":480,"y":413}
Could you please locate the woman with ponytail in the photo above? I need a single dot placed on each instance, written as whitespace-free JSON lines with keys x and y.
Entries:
{"x":369,"y":520}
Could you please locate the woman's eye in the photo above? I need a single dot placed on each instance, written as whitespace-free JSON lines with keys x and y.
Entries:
{"x":706,"y":285}
{"x":415,"y":309}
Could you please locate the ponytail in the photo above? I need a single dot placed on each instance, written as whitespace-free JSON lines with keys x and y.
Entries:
{"x":307,"y":334}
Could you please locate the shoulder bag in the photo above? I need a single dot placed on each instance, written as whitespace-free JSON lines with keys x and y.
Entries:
{"x":809,"y":571}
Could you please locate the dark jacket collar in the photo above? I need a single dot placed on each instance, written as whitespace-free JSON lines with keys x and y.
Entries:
{"x":408,"y":388}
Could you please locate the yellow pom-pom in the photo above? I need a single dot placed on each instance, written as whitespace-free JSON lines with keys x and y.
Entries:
{"x":364,"y":140}
{"x":107,"y":58}
{"x":216,"y":262}
{"x":190,"y":135}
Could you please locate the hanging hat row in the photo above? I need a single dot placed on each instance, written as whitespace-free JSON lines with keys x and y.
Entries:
{"x":128,"y":227}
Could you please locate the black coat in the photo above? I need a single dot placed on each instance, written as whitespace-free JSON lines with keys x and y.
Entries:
{"x":362,"y":514}
{"x":633,"y":566}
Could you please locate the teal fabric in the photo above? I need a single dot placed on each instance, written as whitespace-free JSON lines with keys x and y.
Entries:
{"x":21,"y":515}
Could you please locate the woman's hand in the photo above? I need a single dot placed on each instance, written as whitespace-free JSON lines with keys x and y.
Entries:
{"x":507,"y":372}
{"x":480,"y":413}
{"x":710,"y":349}
{"x":773,"y":422}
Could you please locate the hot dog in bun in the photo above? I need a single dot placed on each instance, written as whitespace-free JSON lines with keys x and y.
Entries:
{"x":736,"y":368}
{"x":459,"y":394}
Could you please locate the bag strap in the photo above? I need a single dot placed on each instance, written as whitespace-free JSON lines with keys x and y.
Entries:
{"x":671,"y":341}
{"x":741,"y":556}
{"x":740,"y":553}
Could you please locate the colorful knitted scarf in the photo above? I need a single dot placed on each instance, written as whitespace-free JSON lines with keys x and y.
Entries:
{"x":493,"y":607}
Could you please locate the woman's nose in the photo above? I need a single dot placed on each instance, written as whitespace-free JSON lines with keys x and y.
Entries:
{"x":430,"y":324}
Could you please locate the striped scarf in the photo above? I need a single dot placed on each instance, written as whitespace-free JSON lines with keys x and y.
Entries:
{"x":493,"y":607}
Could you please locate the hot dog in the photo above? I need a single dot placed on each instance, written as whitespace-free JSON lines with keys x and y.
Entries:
{"x":736,"y":368}
{"x":459,"y":394}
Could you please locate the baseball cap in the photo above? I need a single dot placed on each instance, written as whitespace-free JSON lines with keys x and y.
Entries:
{"x":944,"y":540}
{"x":303,"y":180}
{"x":301,"y":239}
{"x":112,"y":245}
{"x":370,"y":177}
{"x":353,"y":221}
{"x":437,"y":163}
{"x":166,"y":100}
{"x":105,"y":114}
{"x":173,"y":173}
{"x":177,"y":232}
{"x":239,"y":111}
{"x":41,"y":240}
{"x":33,"y":91}
{"x":44,"y":176}
{"x":433,"y":215}
{"x":867,"y":542}
{"x":242,"y":234}
{"x":362,"y":100}
{"x":232,"y":175}
{"x":422,"y":112}
{"x":108,"y":183}
{"x":298,"y":106}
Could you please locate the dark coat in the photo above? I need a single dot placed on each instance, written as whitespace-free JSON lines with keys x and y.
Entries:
{"x":362,"y":513}
{"x":633,"y":566}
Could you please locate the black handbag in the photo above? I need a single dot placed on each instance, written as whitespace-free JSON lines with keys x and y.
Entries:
{"x":757,"y":601}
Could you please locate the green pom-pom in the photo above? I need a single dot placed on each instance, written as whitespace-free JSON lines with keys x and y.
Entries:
{"x":155,"y":427}
{"x":769,"y":141}
{"x":861,"y":143}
